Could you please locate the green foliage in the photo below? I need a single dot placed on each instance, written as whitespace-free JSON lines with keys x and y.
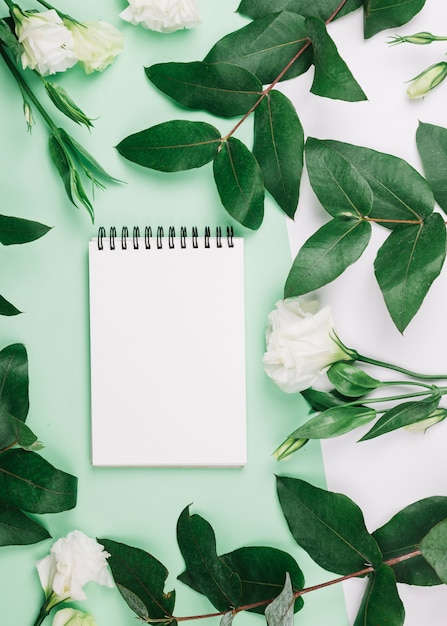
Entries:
{"x":239,"y":183}
{"x":334,"y":422}
{"x":382,"y":14}
{"x":381,"y":603}
{"x":316,"y":8}
{"x":432,"y":145}
{"x":403,"y":534}
{"x":27,"y":481}
{"x":328,"y":525}
{"x":351,"y":381}
{"x":16,"y":230}
{"x":278,"y":147}
{"x":220,"y":88}
{"x":140,"y":578}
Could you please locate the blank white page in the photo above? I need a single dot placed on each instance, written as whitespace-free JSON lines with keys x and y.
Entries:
{"x":167,"y":342}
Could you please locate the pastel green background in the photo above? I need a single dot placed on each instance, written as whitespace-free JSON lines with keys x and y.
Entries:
{"x":48,"y":281}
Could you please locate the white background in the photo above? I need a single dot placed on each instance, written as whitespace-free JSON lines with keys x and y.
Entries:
{"x":390,"y":472}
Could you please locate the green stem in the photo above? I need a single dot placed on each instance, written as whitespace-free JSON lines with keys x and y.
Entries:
{"x":402,"y":370}
{"x":404,"y":396}
{"x":26,"y":89}
{"x":10,"y":4}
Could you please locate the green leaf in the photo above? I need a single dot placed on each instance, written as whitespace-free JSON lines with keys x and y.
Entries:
{"x":407,"y":264}
{"x":318,"y":8}
{"x":92,"y":169}
{"x":262,"y":571}
{"x":326,"y":254}
{"x":403,"y":534}
{"x":434,"y":548}
{"x":172,"y":146}
{"x":280,"y":611}
{"x":6,"y":308}
{"x":350,"y":380}
{"x":16,"y":528}
{"x":381,"y":603}
{"x":339,"y":185}
{"x":278,"y":147}
{"x":14,"y":381}
{"x":402,"y":415}
{"x":239,"y":182}
{"x":266,"y":46}
{"x":140,"y":579}
{"x":14,"y":230}
{"x":62,"y":101}
{"x":220,"y":88}
{"x":10,"y":40}
{"x":321,"y":400}
{"x":329,"y":526}
{"x":332,"y":78}
{"x":31,"y":483}
{"x":205,"y":571}
{"x":432,"y":145}
{"x":399,"y":191}
{"x":382,"y":14}
{"x":334,"y":422}
{"x":15,"y":432}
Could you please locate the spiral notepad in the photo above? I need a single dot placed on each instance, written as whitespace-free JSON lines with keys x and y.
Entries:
{"x":167,"y":343}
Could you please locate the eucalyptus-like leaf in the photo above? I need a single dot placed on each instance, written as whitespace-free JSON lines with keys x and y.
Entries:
{"x":140,"y":579}
{"x":206,"y":572}
{"x":431,"y":141}
{"x":350,"y":380}
{"x":16,"y":528}
{"x":7,"y":308}
{"x":403,"y":533}
{"x":62,"y":101}
{"x":403,"y":415}
{"x":434,"y":548}
{"x":278,"y":147}
{"x":262,"y":571}
{"x":328,"y":525}
{"x":399,"y":191}
{"x":407,"y":264}
{"x":239,"y":182}
{"x":15,"y":230}
{"x":334,"y":422}
{"x":326,"y":254}
{"x":332,"y":78}
{"x":31,"y":483}
{"x":266,"y":46}
{"x":280,"y":611}
{"x":317,"y":8}
{"x":381,"y":603}
{"x":339,"y":185}
{"x":172,"y":146}
{"x":382,"y":14}
{"x":220,"y":88}
{"x":14,"y":381}
{"x":15,"y":432}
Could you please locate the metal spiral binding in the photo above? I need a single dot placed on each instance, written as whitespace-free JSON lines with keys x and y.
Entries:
{"x":159,"y":237}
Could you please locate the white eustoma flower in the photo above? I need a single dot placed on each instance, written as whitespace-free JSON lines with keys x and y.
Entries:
{"x":301,"y":343}
{"x":73,"y":561}
{"x":95,"y":44}
{"x":47,"y":43}
{"x":164,"y":16}
{"x":72,"y":617}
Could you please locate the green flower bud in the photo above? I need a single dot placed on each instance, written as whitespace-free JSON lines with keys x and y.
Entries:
{"x":427,"y":80}
{"x":65,"y":104}
{"x":434,"y":418}
{"x":290,"y":445}
{"x":421,"y":38}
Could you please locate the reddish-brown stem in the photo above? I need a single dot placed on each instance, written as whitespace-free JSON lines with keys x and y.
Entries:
{"x":268,"y":89}
{"x":297,"y":594}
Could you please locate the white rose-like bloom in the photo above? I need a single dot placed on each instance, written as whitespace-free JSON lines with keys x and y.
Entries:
{"x":95,"y":44}
{"x":301,"y":343}
{"x":47,"y":43}
{"x":72,"y":617}
{"x":73,"y":561}
{"x":164,"y":16}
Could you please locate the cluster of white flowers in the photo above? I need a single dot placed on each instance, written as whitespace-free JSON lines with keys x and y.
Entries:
{"x":52,"y":43}
{"x":164,"y":16}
